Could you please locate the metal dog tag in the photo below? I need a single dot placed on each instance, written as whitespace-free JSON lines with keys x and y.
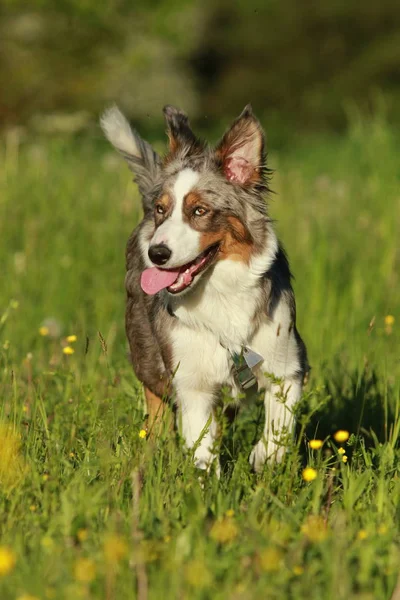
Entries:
{"x":244,"y":375}
{"x":252,"y":358}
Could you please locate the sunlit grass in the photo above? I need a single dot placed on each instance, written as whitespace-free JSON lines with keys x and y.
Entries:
{"x":90,"y":506}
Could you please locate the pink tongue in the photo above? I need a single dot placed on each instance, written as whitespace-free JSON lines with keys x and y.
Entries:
{"x":153,"y":280}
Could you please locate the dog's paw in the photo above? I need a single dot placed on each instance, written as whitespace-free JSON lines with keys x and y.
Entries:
{"x":258,"y":456}
{"x":206,"y":461}
{"x":262,"y":452}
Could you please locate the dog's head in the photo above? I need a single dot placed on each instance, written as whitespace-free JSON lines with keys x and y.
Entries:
{"x":201,"y":204}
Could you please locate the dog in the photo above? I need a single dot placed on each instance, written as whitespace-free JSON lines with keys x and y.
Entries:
{"x":209,"y":295}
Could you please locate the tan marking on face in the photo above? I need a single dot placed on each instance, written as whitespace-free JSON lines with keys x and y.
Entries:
{"x":166,"y":203}
{"x":235,"y":242}
{"x":191,"y":201}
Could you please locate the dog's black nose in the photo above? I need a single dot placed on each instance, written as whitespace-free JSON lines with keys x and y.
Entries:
{"x":159,"y":254}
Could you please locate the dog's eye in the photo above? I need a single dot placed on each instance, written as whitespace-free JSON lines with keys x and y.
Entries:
{"x":160,"y":210}
{"x":199,"y":211}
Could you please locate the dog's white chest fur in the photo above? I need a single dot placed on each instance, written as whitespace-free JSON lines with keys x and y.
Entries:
{"x":219,"y":319}
{"x":222,"y":305}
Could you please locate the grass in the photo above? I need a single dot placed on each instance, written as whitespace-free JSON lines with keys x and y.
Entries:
{"x":88,"y":508}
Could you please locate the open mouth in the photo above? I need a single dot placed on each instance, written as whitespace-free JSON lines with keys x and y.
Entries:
{"x":176,"y":280}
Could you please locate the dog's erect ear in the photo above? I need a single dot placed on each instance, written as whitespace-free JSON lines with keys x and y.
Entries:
{"x":178,"y":129}
{"x":140,"y":156}
{"x":241,"y":151}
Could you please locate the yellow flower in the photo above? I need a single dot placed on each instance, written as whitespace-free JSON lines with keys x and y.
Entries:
{"x":115,"y":548}
{"x":142,"y":434}
{"x":224,"y":531}
{"x":315,"y":444}
{"x":71,"y":455}
{"x":7,"y":560}
{"x":82,"y":535}
{"x":362,"y":534}
{"x":314,"y":528}
{"x":45,"y":476}
{"x":47,"y":542}
{"x":309,"y":474}
{"x":71,"y":339}
{"x":341,"y":436}
{"x":344,"y":459}
{"x":230,"y":512}
{"x":85,"y":570}
{"x":270,"y":560}
{"x":68,"y":350}
{"x":44,"y":330}
{"x":389,"y":320}
{"x":33,"y":507}
{"x":298,"y":570}
{"x":382,"y":529}
{"x":197,"y":574}
{"x":12,"y":465}
{"x":341,"y":450}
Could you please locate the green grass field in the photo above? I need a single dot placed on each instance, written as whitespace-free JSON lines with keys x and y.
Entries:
{"x":89,"y":508}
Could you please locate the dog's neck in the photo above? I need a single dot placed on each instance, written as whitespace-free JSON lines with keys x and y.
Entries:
{"x":227,"y":298}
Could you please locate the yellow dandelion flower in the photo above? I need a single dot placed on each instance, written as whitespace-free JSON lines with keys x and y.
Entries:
{"x":362,"y":534}
{"x":85,"y":570}
{"x":382,"y":529}
{"x":315,"y":444}
{"x":44,"y":330}
{"x":82,"y":534}
{"x":270,"y":560}
{"x":33,"y":508}
{"x":68,"y":350}
{"x":389,"y":320}
{"x":224,"y":531}
{"x":47,"y":542}
{"x":309,"y":474}
{"x":12,"y":465}
{"x":298,"y":570}
{"x":314,"y":529}
{"x":71,"y":338}
{"x":142,"y":434}
{"x":341,"y":436}
{"x":71,"y":455}
{"x":344,"y":458}
{"x":115,"y":548}
{"x":230,"y":512}
{"x":341,"y":450}
{"x":14,"y":304}
{"x":197,"y":575}
{"x":45,"y":476}
{"x":7,"y":560}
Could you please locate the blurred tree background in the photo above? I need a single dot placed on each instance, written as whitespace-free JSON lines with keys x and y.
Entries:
{"x":303,"y":65}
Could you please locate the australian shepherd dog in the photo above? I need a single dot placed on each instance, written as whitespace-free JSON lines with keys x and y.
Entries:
{"x":209,"y":295}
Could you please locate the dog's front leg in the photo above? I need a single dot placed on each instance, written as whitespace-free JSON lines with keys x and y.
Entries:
{"x":279,"y":402}
{"x":199,"y":427}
